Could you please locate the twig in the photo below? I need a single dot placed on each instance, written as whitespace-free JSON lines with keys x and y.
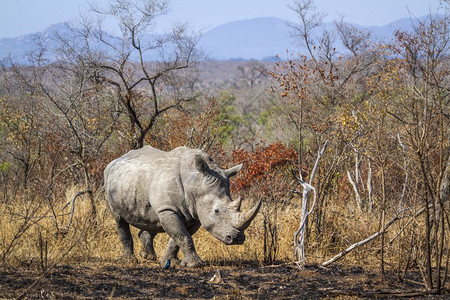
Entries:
{"x":405,"y":166}
{"x":277,"y":265}
{"x":73,"y":205}
{"x":38,"y":217}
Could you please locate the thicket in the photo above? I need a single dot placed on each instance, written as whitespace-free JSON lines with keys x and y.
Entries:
{"x":382,"y":110}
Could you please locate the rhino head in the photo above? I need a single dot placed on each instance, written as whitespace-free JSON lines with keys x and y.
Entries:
{"x":217,"y":212}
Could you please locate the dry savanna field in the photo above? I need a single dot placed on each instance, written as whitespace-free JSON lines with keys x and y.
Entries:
{"x":346,"y":143}
{"x":84,"y":261}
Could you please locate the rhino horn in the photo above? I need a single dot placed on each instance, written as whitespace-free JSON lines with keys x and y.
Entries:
{"x":243,"y":220}
{"x":233,"y":171}
{"x":235,"y":205}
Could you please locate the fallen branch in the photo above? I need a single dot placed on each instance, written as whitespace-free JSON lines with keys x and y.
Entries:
{"x":370,"y":238}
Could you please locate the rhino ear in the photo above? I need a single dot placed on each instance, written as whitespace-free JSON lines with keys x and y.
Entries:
{"x":201,"y":165}
{"x":233,"y":171}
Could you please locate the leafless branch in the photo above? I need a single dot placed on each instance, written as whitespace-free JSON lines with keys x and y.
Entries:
{"x":397,"y":217}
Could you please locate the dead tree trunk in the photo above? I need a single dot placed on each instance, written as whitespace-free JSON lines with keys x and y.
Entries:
{"x":300,"y":234}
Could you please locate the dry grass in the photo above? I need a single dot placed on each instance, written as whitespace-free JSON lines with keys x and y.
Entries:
{"x":37,"y":246}
{"x":32,"y":236}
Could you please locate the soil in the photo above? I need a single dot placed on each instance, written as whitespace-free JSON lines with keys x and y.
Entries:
{"x":246,"y":281}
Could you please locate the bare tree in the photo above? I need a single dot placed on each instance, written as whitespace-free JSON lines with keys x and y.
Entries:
{"x":309,"y":21}
{"x":147,"y":71}
{"x":425,"y":126}
{"x":250,"y":72}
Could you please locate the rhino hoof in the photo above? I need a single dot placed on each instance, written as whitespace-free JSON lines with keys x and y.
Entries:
{"x":192,"y":263}
{"x":174,"y":262}
{"x":148,"y":256}
{"x":130,"y":259}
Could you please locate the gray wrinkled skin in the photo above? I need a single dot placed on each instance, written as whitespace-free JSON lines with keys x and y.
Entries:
{"x":174,"y":192}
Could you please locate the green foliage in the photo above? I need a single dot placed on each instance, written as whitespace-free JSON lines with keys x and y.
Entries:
{"x":265,"y":118}
{"x":5,"y":167}
{"x":228,"y":119}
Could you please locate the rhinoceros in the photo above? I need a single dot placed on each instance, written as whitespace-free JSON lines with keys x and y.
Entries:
{"x":174,"y":192}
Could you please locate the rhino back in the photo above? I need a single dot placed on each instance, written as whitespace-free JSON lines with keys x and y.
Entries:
{"x":144,"y":182}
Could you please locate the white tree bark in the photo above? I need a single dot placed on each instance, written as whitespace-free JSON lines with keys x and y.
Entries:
{"x":355,"y":182}
{"x":444,"y":192}
{"x":355,"y":190}
{"x":300,"y":234}
{"x":370,"y":187}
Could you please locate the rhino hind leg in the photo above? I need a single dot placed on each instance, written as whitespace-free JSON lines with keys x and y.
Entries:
{"x":125,"y":237}
{"x":148,"y":252}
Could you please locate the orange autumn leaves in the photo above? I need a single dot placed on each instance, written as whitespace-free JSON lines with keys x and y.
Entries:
{"x":261,"y":165}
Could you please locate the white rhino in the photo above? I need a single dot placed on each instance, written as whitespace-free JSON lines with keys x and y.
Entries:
{"x":173,"y":192}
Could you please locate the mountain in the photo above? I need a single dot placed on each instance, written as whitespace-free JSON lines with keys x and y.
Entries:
{"x":19,"y":47}
{"x":247,"y":39}
{"x":266,"y":37}
{"x":260,"y":38}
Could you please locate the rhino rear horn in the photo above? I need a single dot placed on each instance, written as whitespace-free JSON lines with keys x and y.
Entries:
{"x":235,"y":205}
{"x":243,"y":220}
{"x":233,"y":171}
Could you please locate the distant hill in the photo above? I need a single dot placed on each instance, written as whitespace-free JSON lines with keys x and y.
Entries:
{"x":18,"y":47}
{"x":266,"y":37}
{"x":248,"y":39}
{"x":260,"y":38}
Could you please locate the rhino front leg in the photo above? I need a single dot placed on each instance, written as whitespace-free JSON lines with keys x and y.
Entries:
{"x":173,"y":248}
{"x":176,"y":229}
{"x":148,"y":252}
{"x":171,"y":253}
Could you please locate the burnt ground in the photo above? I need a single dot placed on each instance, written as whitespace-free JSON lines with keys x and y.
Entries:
{"x":247,"y":281}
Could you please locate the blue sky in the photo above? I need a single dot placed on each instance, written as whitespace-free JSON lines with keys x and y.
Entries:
{"x":19,"y":17}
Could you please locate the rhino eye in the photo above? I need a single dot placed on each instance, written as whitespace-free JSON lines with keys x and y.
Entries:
{"x":216,"y":210}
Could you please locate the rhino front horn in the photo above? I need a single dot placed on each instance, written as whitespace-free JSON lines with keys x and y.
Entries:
{"x":243,"y":220}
